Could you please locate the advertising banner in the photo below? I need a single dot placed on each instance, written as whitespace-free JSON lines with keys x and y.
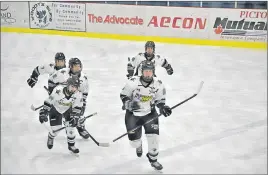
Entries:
{"x":148,"y":20}
{"x":14,"y":14}
{"x":238,"y":25}
{"x":57,"y":15}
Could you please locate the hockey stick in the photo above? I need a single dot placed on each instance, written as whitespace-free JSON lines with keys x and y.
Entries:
{"x":98,"y":143}
{"x":57,"y":130}
{"x":35,"y":108}
{"x":173,"y":107}
{"x":46,"y":89}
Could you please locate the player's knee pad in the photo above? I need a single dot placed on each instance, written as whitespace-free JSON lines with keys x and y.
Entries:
{"x":135,"y":143}
{"x":135,"y":135}
{"x":55,"y":128}
{"x":153,"y":145}
{"x":70,"y":131}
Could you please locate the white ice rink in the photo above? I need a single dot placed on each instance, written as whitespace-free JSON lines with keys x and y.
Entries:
{"x":222,"y":130}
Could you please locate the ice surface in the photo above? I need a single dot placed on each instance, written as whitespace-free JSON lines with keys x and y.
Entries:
{"x":222,"y":130}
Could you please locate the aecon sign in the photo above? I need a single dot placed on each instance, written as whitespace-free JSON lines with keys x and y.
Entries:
{"x":178,"y":22}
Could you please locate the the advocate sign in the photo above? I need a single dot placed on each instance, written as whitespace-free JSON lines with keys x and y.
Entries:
{"x":113,"y":19}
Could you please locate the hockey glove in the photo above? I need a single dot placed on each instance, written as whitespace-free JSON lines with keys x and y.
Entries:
{"x":130,"y":70}
{"x":43,"y":115}
{"x":75,"y":114}
{"x":132,"y":105}
{"x":165,"y":110}
{"x":74,"y":121}
{"x":32,"y":81}
{"x":169,"y":69}
{"x":81,"y":120}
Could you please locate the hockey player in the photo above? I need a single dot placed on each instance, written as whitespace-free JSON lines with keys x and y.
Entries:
{"x":66,"y":102}
{"x":61,"y":76}
{"x":134,"y":64}
{"x":47,"y":69}
{"x":140,"y":96}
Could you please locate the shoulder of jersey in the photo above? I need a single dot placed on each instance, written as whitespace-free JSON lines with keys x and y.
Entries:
{"x":52,"y":65}
{"x":83,"y":75}
{"x":158,"y":81}
{"x":134,"y":79}
{"x":157,"y":56}
{"x":141,"y":54}
{"x":64,"y":71}
{"x":59,"y":89}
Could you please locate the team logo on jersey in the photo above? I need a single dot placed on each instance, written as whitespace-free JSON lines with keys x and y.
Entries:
{"x":41,"y":15}
{"x":145,"y":98}
{"x":68,"y":104}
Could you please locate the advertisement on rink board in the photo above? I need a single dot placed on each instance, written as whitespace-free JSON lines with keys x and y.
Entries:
{"x":147,"y":20}
{"x":57,"y":15}
{"x":12,"y":17}
{"x":239,"y":25}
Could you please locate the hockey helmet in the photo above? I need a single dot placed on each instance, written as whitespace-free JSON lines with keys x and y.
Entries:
{"x":59,"y":56}
{"x":75,"y":61}
{"x":147,"y":65}
{"x":73,"y":83}
{"x":150,"y":44}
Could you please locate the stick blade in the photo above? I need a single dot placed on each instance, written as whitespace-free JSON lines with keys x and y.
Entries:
{"x":200,"y":87}
{"x":32,"y":107}
{"x":104,"y":144}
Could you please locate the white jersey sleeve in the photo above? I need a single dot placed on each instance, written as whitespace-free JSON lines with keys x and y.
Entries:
{"x":160,"y":61}
{"x":128,"y":89}
{"x":46,"y":69}
{"x":160,"y":96}
{"x":84,"y":87}
{"x":135,"y":62}
{"x":77,"y":103}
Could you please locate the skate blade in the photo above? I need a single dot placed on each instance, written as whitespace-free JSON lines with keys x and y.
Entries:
{"x":74,"y":154}
{"x":159,"y":171}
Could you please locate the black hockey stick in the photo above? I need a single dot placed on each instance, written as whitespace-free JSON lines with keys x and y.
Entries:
{"x":57,"y":130}
{"x":35,"y":108}
{"x":46,"y":89}
{"x":173,"y":107}
{"x":98,"y":143}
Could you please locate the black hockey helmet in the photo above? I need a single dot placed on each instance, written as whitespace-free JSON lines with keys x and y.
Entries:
{"x":59,"y":56}
{"x":149,"y":44}
{"x":73,"y":81}
{"x":75,"y":61}
{"x":147,"y":65}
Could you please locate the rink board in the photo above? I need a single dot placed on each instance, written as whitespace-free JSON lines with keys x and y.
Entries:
{"x":245,"y":28}
{"x":256,"y":45}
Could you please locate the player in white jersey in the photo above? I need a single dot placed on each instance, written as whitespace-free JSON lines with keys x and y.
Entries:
{"x":47,"y":69}
{"x":140,"y":96}
{"x":134,"y":64}
{"x":60,"y":78}
{"x":64,"y":102}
